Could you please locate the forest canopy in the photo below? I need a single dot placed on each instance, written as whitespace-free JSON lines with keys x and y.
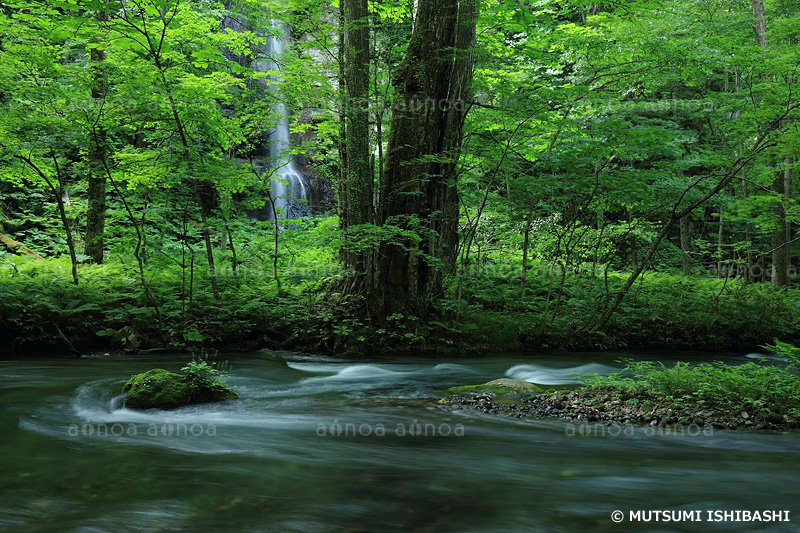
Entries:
{"x":393,"y":175}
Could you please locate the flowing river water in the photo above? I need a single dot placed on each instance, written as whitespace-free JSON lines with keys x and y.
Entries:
{"x":317,"y":444}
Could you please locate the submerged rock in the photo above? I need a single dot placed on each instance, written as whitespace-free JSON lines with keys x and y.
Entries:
{"x":161,"y":389}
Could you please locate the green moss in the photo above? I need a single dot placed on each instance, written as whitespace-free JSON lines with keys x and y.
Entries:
{"x":470,"y":389}
{"x":161,"y":389}
{"x":157,"y":388}
{"x":497,"y":388}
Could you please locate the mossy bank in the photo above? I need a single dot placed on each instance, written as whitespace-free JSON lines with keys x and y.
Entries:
{"x":760,"y":395}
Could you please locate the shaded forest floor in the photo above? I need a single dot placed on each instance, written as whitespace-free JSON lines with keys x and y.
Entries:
{"x":40,"y":310}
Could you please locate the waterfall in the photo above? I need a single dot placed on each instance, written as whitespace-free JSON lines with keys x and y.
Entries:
{"x":288,"y":185}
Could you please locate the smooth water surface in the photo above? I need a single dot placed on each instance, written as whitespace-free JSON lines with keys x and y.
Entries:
{"x":303,"y":450}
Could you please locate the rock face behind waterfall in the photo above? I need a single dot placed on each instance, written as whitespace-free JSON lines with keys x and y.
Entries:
{"x":297,"y":186}
{"x":161,"y":389}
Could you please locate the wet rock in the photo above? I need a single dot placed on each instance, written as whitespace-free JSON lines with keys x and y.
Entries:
{"x":775,"y":418}
{"x":497,"y":387}
{"x":161,"y":389}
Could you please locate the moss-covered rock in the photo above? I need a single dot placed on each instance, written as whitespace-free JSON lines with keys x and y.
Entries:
{"x":161,"y":389}
{"x":498,"y":387}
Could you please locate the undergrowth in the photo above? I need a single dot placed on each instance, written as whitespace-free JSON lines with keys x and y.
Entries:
{"x":41,"y":310}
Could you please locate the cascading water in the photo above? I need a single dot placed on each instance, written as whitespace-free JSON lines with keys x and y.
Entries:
{"x":288,"y":183}
{"x":274,"y":159}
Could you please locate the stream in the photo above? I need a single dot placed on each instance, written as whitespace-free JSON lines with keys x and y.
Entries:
{"x":318,"y":444}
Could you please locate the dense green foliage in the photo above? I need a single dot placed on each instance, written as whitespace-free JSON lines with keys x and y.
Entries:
{"x":106,"y":311}
{"x":624,"y":177}
{"x":758,"y":388}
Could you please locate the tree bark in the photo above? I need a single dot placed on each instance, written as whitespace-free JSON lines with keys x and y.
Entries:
{"x":759,"y":22}
{"x":96,"y":216}
{"x":15,"y":247}
{"x":782,"y":249}
{"x":358,"y":179}
{"x":58,"y":192}
{"x":525,"y":245}
{"x":686,"y":244}
{"x":720,"y":244}
{"x":420,"y":195}
{"x":341,"y":185}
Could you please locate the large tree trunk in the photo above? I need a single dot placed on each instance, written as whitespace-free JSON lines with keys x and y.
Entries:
{"x":341,"y":184}
{"x":358,"y":177}
{"x":420,"y":194}
{"x":96,"y":216}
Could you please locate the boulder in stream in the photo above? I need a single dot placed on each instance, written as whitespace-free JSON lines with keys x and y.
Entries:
{"x":499,"y":387}
{"x":161,"y":389}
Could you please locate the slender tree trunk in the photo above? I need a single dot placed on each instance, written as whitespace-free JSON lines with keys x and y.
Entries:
{"x":782,"y":250}
{"x":203,"y":189}
{"x":720,"y":245}
{"x":380,"y":108}
{"x":191,"y":281}
{"x":212,"y":269}
{"x":788,"y":190}
{"x":525,"y":244}
{"x":62,"y":210}
{"x":58,"y":193}
{"x":137,"y":253}
{"x":601,"y":226}
{"x":677,"y":213}
{"x":748,"y":237}
{"x":96,"y":216}
{"x":686,"y":244}
{"x":420,"y":194}
{"x":234,"y":259}
{"x":781,"y":255}
{"x":759,"y":22}
{"x":184,"y":244}
{"x":276,"y":235}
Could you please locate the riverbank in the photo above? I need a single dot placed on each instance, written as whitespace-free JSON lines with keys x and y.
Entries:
{"x":41,"y":311}
{"x":763,"y":395}
{"x":614,"y":406}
